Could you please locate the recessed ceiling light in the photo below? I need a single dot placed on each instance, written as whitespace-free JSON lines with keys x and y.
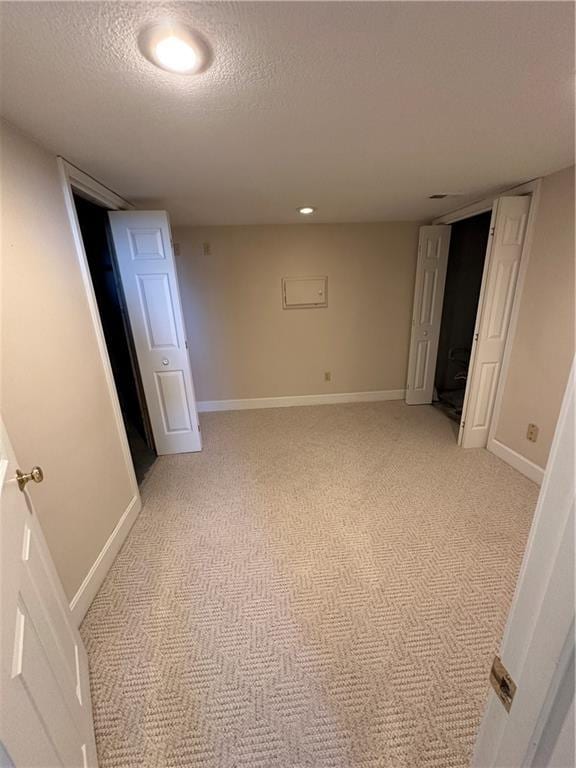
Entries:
{"x":306,"y":210}
{"x":175,"y":54}
{"x":175,"y":48}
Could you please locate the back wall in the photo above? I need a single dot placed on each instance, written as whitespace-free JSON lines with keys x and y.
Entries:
{"x":243,"y":344}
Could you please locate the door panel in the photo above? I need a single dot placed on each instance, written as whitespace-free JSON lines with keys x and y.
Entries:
{"x":146,"y":243}
{"x":497,"y":299}
{"x":501,"y":300}
{"x":421,"y":364}
{"x":433,"y":248}
{"x":45,"y":706}
{"x":148,"y":274}
{"x":158,"y":311}
{"x":486,"y":389}
{"x":32,"y":669}
{"x":172,"y":392}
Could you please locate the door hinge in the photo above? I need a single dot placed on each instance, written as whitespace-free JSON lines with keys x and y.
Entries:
{"x":475,"y":337}
{"x":492,"y":230}
{"x":502,"y":683}
{"x":186,"y":343}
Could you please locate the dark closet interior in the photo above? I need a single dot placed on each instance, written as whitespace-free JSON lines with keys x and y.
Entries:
{"x":466,"y":257}
{"x":94,"y":226}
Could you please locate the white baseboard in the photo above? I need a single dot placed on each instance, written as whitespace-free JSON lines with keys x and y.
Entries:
{"x":294,"y":400}
{"x":95,"y":576}
{"x":516,"y":460}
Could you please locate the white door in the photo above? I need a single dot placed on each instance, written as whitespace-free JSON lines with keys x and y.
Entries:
{"x":45,"y":706}
{"x":433,"y":246}
{"x":538,"y":644}
{"x":143,"y":245}
{"x":509,"y":222}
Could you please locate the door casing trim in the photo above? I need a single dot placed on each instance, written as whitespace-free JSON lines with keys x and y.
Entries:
{"x":73,"y":179}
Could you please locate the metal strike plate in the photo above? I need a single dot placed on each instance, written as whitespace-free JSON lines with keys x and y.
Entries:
{"x":502,"y":683}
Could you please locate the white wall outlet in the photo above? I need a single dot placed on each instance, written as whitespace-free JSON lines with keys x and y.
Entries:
{"x":206,"y":250}
{"x":532,"y":433}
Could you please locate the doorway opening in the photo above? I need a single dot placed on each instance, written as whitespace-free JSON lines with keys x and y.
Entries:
{"x":466,"y":257}
{"x":95,"y":230}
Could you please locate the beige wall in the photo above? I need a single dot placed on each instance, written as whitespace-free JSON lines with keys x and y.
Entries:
{"x":243,"y":344}
{"x":55,"y":402}
{"x":544,"y":341}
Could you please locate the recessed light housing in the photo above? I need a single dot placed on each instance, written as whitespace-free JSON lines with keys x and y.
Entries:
{"x":306,"y":210}
{"x":174,"y":47}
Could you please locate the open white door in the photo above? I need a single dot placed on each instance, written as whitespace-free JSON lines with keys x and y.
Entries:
{"x":45,"y":705}
{"x":509,"y":220}
{"x":143,"y":246}
{"x":433,"y":246}
{"x":538,"y":643}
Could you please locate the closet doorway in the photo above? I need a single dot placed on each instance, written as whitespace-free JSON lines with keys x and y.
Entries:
{"x":471,"y":360}
{"x":466,"y":257}
{"x":95,"y":231}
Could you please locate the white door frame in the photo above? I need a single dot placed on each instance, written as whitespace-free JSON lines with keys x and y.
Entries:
{"x":73,"y":179}
{"x":531,"y":188}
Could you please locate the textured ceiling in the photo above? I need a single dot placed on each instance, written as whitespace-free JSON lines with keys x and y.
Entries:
{"x":362,"y":109}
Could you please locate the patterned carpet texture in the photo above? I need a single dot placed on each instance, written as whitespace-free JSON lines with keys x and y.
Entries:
{"x":322,"y":587}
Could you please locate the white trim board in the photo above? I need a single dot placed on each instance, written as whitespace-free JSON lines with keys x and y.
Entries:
{"x":252,"y":403}
{"x":97,"y":573}
{"x":89,"y":187}
{"x":521,"y":463}
{"x":486,"y":203}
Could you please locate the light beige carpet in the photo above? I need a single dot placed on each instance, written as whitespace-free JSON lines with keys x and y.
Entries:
{"x":320,"y":587}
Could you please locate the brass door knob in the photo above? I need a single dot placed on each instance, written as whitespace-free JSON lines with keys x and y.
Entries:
{"x":35,"y":474}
